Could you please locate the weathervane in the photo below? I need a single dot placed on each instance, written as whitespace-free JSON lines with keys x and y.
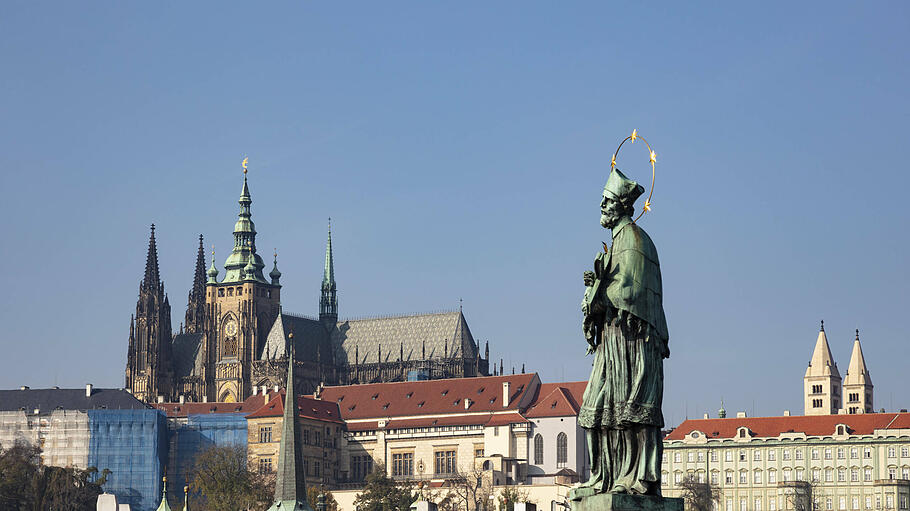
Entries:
{"x":247,"y":159}
{"x":632,"y":138}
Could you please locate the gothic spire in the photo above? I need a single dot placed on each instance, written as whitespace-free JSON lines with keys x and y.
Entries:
{"x":290,"y":485}
{"x":195,"y":304}
{"x":857,"y":373}
{"x":822,"y":363}
{"x":244,"y":251}
{"x":152,"y":278}
{"x":199,"y":275}
{"x":275,"y":274}
{"x":328,"y":300}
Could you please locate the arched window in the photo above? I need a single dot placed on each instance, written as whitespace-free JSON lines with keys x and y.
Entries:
{"x":538,"y":449}
{"x":562,"y":450}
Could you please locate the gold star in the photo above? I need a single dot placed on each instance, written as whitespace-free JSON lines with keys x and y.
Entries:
{"x":647,"y":205}
{"x":653,"y":157}
{"x":613,"y":161}
{"x":634,"y":135}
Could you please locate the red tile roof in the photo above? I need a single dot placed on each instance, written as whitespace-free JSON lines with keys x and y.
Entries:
{"x":430,"y":397}
{"x":814,"y":425}
{"x":557,"y":400}
{"x":307,"y":407}
{"x":174,"y":410}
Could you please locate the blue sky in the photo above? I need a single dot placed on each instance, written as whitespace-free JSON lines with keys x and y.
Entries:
{"x":461,"y":150}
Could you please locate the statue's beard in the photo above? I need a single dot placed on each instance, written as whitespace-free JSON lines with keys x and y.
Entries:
{"x":609,"y":218}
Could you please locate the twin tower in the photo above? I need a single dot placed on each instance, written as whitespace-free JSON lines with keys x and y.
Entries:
{"x":824,"y":391}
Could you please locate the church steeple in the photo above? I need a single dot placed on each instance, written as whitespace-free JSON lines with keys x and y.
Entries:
{"x":152,"y":278}
{"x":195,"y":305}
{"x":858,"y":383}
{"x":328,"y":301}
{"x":822,"y":382}
{"x":244,"y":251}
{"x":290,"y":484}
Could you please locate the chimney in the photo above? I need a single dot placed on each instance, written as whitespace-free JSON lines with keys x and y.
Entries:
{"x":160,"y":399}
{"x":276,"y":388}
{"x":741,"y":415}
{"x":182,"y":399}
{"x":265,"y":397}
{"x":706,"y":416}
{"x":467,"y":403}
{"x":255,"y":390}
{"x":205,"y":399}
{"x":786,"y":413}
{"x":88,"y":390}
{"x":506,"y":392}
{"x":24,"y":387}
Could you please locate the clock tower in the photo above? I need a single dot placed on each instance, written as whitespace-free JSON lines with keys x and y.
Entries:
{"x":239,"y":311}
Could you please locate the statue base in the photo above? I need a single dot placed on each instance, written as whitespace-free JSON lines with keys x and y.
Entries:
{"x":583,"y":500}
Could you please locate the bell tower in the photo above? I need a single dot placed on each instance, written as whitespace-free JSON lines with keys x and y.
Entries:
{"x":858,"y":383}
{"x":240,"y":310}
{"x":822,"y":382}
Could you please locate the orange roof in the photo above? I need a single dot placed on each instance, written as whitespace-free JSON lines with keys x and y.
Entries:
{"x":504,"y":419}
{"x":174,"y":410}
{"x":557,"y":400}
{"x":815,"y":425}
{"x":429,"y":397}
{"x":307,"y":407}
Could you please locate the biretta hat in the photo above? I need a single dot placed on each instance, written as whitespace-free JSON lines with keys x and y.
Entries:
{"x":623,"y":188}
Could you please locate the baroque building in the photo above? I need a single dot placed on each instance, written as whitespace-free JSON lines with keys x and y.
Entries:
{"x":235,"y":337}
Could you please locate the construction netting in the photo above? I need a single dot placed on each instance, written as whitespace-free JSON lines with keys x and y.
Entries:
{"x":199,"y":432}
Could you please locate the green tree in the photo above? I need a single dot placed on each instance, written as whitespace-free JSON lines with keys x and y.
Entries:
{"x":383,"y":494}
{"x":509,"y":496}
{"x":312,"y":494}
{"x":220,"y":475}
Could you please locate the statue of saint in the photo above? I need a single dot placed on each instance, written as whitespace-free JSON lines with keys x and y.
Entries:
{"x":626,"y":331}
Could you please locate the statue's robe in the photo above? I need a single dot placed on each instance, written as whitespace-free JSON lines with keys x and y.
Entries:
{"x":621,"y":408}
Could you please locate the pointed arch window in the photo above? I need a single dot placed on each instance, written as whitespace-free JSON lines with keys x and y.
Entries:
{"x":562,"y":450}
{"x":538,"y":449}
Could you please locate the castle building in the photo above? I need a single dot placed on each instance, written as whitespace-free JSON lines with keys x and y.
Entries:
{"x":235,"y":335}
{"x":823,"y":389}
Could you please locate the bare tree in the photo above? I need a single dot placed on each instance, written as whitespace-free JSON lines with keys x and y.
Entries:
{"x":800,"y":495}
{"x":699,"y":496}
{"x":471,"y":487}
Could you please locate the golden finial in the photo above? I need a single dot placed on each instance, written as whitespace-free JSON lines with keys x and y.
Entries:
{"x":243,"y":163}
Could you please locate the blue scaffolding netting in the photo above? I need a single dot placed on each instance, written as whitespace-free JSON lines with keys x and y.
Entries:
{"x":133,"y":445}
{"x":200,"y":432}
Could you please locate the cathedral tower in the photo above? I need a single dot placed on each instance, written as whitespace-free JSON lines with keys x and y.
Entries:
{"x":195,"y":304}
{"x":148,"y":367}
{"x":328,"y":300}
{"x":239,"y":311}
{"x":822,"y":383}
{"x":858,"y":382}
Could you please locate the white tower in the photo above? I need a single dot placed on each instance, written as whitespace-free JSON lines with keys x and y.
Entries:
{"x":822,"y":383}
{"x":858,"y":383}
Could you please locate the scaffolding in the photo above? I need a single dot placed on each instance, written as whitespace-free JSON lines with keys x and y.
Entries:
{"x":133,"y":445}
{"x":197,"y":433}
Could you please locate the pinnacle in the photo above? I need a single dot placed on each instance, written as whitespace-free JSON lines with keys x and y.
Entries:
{"x":152,"y":276}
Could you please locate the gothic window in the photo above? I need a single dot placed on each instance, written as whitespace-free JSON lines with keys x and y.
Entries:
{"x":538,"y":449}
{"x":230,"y":347}
{"x":239,"y":291}
{"x":265,"y":434}
{"x":221,"y":292}
{"x":562,"y":450}
{"x":265,"y":465}
{"x":230,"y":291}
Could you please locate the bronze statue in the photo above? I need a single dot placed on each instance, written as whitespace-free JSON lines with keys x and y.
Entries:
{"x":626,"y":331}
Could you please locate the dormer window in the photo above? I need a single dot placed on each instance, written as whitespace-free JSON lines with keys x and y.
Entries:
{"x":743,"y":432}
{"x":841,"y":429}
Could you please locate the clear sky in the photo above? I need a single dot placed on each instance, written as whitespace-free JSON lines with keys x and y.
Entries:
{"x":461,"y":149}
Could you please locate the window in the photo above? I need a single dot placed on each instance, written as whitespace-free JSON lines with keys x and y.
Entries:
{"x":841,"y":475}
{"x":265,"y":434}
{"x":854,"y":475}
{"x":772,"y":477}
{"x":840,"y":453}
{"x":828,"y":453}
{"x":756,"y":455}
{"x":854,"y":453}
{"x":889,"y":501}
{"x":728,"y":477}
{"x":799,"y":454}
{"x":892,"y":473}
{"x":728,"y":456}
{"x":828,"y":504}
{"x":905,"y":473}
{"x":800,"y":474}
{"x":892,"y":452}
{"x":742,"y":455}
{"x":403,"y":464}
{"x":538,"y":449}
{"x":786,"y":455}
{"x":868,"y":502}
{"x":360,"y":467}
{"x":816,"y":389}
{"x":756,"y":477}
{"x":772,"y":504}
{"x":316,"y":469}
{"x":772,"y":455}
{"x":445,"y":462}
{"x":677,"y":477}
{"x":714,"y":478}
{"x":855,"y":502}
{"x":816,"y":475}
{"x":903,"y":501}
{"x":230,"y":291}
{"x":664,"y":479}
{"x":829,"y":475}
{"x":729,"y":505}
{"x":867,"y":453}
{"x":867,"y":474}
{"x":265,"y":465}
{"x":239,"y":291}
{"x":787,"y":477}
{"x":701,"y":456}
{"x":677,"y":457}
{"x":816,"y":403}
{"x":562,"y":450}
{"x":221,"y":292}
{"x":478,"y":452}
{"x":842,"y":503}
{"x":690,"y":456}
{"x":713,"y":456}
{"x":905,"y":451}
{"x":743,"y":478}
{"x":743,"y":504}
{"x":700,"y":478}
{"x":814,"y":453}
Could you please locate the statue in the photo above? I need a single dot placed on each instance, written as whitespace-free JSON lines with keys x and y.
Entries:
{"x":626,"y":330}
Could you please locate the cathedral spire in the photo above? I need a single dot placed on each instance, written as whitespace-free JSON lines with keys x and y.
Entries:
{"x":328,"y":301}
{"x":152,"y":278}
{"x":290,"y":485}
{"x":195,"y":305}
{"x":244,"y":251}
{"x":858,"y":383}
{"x":822,"y":382}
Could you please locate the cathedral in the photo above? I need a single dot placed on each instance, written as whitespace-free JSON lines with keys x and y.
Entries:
{"x":234,"y":338}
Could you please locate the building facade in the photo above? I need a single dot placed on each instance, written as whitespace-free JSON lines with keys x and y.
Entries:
{"x":235,"y":334}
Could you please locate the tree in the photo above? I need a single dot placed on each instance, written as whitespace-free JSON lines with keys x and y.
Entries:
{"x":471,"y":488}
{"x":312,"y":496}
{"x":800,"y":495}
{"x":221,"y":476}
{"x":384,"y":494}
{"x":509,"y":496}
{"x":26,"y":484}
{"x":699,"y":496}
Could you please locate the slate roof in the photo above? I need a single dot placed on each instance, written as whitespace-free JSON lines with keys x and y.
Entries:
{"x":432,"y":397}
{"x":557,"y":400}
{"x":187,"y":355}
{"x":307,"y":407}
{"x":772,"y":427}
{"x":48,"y":400}
{"x":442,"y":334}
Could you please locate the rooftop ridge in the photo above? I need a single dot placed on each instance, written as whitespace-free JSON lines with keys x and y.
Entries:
{"x":498,"y":376}
{"x":299,"y":316}
{"x":437,"y":312}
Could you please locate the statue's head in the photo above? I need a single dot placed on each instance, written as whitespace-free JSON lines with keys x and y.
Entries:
{"x":619,"y":198}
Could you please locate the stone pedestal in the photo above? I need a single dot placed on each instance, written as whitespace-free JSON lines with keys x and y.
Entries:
{"x":624,"y":502}
{"x":423,"y":505}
